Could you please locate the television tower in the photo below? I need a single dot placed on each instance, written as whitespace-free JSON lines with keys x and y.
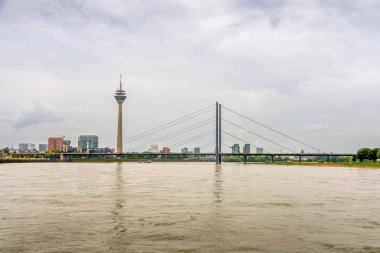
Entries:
{"x":120,"y":96}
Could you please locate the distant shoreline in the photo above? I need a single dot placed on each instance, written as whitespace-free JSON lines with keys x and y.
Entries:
{"x":311,"y":164}
{"x":332,"y":164}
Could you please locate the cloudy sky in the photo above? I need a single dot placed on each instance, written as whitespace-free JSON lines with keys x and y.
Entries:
{"x":310,"y":69}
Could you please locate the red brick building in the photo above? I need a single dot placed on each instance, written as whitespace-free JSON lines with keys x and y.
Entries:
{"x":165,"y":150}
{"x":55,"y":143}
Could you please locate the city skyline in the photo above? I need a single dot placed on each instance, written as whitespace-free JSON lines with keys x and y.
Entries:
{"x":189,"y":126}
{"x":277,"y":62}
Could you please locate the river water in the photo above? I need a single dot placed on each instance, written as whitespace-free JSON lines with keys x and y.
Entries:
{"x":187,"y":207}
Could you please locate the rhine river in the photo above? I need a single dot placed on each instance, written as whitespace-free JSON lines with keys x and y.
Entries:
{"x":187,"y":207}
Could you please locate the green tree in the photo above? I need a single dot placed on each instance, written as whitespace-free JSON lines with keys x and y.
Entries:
{"x":48,"y":154}
{"x":364,"y":153}
{"x":378,"y":153}
{"x":373,"y":154}
{"x":52,"y":154}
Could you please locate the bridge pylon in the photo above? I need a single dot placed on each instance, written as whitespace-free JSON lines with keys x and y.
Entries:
{"x":218,"y":133}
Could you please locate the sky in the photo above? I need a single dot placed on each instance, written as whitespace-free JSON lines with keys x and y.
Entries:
{"x":309,"y":69}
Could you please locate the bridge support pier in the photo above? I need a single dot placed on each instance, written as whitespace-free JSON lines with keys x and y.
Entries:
{"x":220,"y":133}
{"x":299,"y":158}
{"x":245,"y":158}
{"x":328,"y":158}
{"x":271,"y":157}
{"x":217,"y":133}
{"x":65,"y":158}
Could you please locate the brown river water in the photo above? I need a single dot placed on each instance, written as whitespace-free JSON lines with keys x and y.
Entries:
{"x":187,"y":207}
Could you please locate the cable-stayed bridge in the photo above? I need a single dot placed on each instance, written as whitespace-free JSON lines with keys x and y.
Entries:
{"x":212,"y":130}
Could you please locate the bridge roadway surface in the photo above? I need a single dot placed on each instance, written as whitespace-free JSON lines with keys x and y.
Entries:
{"x":68,"y":156}
{"x":65,"y":156}
{"x":211,"y":154}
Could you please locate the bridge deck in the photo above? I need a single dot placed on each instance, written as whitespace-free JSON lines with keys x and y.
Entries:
{"x":213,"y":154}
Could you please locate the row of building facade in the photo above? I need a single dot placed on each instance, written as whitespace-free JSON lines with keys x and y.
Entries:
{"x":234,"y":149}
{"x":86,"y":144}
{"x":246,"y":149}
{"x":166,"y":150}
{"x":90,"y":144}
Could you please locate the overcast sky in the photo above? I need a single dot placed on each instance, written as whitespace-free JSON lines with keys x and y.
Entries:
{"x":308,"y":68}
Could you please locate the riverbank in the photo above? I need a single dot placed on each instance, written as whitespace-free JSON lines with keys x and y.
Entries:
{"x":20,"y":160}
{"x":332,"y":164}
{"x":315,"y":164}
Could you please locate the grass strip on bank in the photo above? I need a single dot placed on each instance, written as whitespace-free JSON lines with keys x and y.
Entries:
{"x":332,"y":164}
{"x":365,"y":164}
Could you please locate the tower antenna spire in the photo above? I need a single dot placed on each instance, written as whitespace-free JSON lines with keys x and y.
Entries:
{"x":120,"y":96}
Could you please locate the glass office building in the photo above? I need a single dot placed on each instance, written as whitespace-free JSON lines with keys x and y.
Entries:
{"x":236,"y":148}
{"x":88,"y":141}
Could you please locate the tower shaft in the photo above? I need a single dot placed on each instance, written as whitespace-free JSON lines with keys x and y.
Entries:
{"x":119,"y":148}
{"x":120,"y":96}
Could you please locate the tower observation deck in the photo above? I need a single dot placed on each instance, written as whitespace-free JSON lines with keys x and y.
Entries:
{"x":120,"y":97}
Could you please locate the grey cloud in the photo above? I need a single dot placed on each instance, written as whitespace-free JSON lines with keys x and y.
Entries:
{"x":4,"y":121}
{"x":323,"y":57}
{"x":62,"y":8}
{"x":262,"y":4}
{"x":317,"y":127}
{"x":71,"y":12}
{"x":128,"y":16}
{"x":274,"y":20}
{"x":2,"y":2}
{"x":35,"y":114}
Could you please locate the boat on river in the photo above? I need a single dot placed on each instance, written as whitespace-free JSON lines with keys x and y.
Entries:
{"x":145,"y":161}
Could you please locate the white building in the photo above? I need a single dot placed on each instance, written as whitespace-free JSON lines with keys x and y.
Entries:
{"x":259,"y":150}
{"x":153,"y":148}
{"x":26,"y":146}
{"x":42,"y":147}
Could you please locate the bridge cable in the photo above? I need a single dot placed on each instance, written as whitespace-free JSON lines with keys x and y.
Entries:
{"x":167,"y":125}
{"x":262,"y":137}
{"x":176,"y":133}
{"x":192,"y":139}
{"x":238,"y":139}
{"x":228,"y":146}
{"x":273,"y":130}
{"x":140,"y":136}
{"x":207,"y":145}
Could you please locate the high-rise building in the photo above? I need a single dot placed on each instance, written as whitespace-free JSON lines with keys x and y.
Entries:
{"x":55,"y":143}
{"x":42,"y":147}
{"x":153,"y":148}
{"x":236,"y":148}
{"x":88,"y":142}
{"x":120,"y":97}
{"x":247,"y":148}
{"x":185,"y":151}
{"x":197,"y":150}
{"x":26,"y":146}
{"x":165,"y":150}
{"x":259,"y":151}
{"x":66,"y":145}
